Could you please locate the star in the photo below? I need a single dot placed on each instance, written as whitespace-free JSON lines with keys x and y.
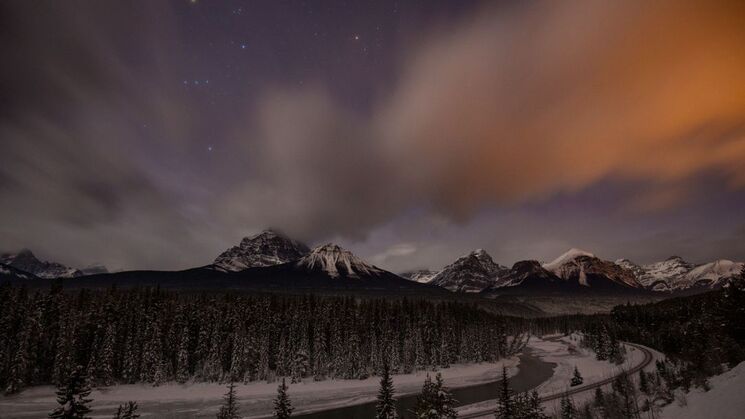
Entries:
{"x":356,"y":37}
{"x":243,"y":46}
{"x":209,"y":148}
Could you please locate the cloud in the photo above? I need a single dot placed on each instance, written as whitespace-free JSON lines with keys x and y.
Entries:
{"x":507,"y":107}
{"x":514,"y":105}
{"x":520,"y":104}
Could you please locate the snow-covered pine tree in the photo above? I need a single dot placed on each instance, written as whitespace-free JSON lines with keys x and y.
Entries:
{"x":505,"y":400}
{"x":127,"y":411}
{"x":386,"y":405}
{"x":567,"y":409}
{"x":105,"y":367}
{"x":72,"y":397}
{"x":445,"y":401}
{"x":426,"y":402}
{"x":534,"y":409}
{"x":282,"y":406}
{"x":576,"y":378}
{"x":182,"y":357}
{"x":229,"y":408}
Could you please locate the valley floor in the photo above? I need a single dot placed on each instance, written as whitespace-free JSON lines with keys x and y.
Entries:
{"x":203,"y":399}
{"x":173,"y":400}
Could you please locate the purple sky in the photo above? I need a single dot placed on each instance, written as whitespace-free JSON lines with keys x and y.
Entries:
{"x":155,"y":134}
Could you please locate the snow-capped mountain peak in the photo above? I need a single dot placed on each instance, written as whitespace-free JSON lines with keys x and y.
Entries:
{"x":337,"y":262}
{"x":26,"y":261}
{"x":470,"y":273}
{"x":264,"y":249}
{"x":566,"y":257}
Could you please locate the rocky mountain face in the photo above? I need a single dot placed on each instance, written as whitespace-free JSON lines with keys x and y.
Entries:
{"x":422,"y":276}
{"x":675,"y":274}
{"x":264,"y":249}
{"x":9,"y":272}
{"x":589,"y":271}
{"x":26,"y":261}
{"x":336,"y":262}
{"x":528,"y":273}
{"x":470,"y":273}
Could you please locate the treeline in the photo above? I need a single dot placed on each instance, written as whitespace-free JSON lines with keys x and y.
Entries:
{"x":151,"y":335}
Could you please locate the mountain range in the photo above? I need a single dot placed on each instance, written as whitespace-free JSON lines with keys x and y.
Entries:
{"x":577,"y":270}
{"x":271,"y":260}
{"x":25,"y":261}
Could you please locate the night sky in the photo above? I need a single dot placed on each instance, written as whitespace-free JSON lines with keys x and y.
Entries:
{"x":155,"y":134}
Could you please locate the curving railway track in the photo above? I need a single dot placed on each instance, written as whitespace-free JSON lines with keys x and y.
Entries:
{"x":647,"y":360}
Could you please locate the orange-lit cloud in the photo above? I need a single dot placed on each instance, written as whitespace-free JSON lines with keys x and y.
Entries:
{"x":550,"y":97}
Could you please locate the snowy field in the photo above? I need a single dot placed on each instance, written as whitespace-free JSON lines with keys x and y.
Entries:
{"x":564,"y":351}
{"x":725,"y":400}
{"x":203,"y":399}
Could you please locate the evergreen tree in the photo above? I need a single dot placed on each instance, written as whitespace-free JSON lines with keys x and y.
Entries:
{"x":72,"y":397}
{"x":643,"y":382}
{"x":127,"y":411}
{"x":445,"y":402}
{"x":229,"y":408}
{"x":182,"y":358}
{"x":568,"y":411}
{"x":282,"y":406}
{"x":386,"y":406}
{"x":576,"y":378}
{"x":505,"y":401}
{"x":426,"y":402}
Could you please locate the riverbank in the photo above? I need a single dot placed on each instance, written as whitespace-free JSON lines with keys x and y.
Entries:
{"x":194,"y":400}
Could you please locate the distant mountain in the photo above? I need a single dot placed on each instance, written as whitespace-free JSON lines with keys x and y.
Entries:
{"x":94,"y":270}
{"x":675,"y":274}
{"x":26,"y":261}
{"x":264,"y":249}
{"x":327,"y":268}
{"x":590,"y":271}
{"x":336,"y":262}
{"x":470,"y":273}
{"x":422,"y":276}
{"x":8,"y":272}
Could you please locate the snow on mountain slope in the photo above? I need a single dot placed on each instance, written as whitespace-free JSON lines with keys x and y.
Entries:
{"x":337,"y":262}
{"x":422,"y":276}
{"x":713,"y":274}
{"x":588,"y":270}
{"x":473,"y":272}
{"x":558,"y":264}
{"x":264,"y":249}
{"x":675,"y":274}
{"x":27,"y":262}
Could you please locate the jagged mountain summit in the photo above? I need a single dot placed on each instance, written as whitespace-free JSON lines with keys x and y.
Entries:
{"x":264,"y":249}
{"x":26,"y":261}
{"x":336,"y":262}
{"x":469,"y":273}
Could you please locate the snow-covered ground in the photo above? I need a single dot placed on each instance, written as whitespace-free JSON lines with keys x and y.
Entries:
{"x":203,"y":399}
{"x":725,"y":400}
{"x":564,"y":351}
